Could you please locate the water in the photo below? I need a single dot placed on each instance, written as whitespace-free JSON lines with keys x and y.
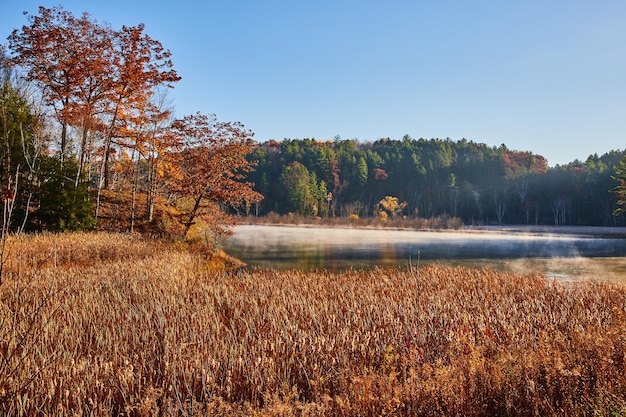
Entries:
{"x":564,"y":256}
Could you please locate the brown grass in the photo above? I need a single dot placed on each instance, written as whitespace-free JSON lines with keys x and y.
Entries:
{"x":109,"y":324}
{"x":417,"y":223}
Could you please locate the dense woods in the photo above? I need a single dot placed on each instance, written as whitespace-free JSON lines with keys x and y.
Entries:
{"x":436,"y":177}
{"x":85,"y":113}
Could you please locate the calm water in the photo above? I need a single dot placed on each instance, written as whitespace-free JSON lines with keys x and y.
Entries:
{"x":562,"y":256}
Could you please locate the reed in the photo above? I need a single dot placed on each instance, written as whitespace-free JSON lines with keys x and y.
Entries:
{"x":109,"y":324}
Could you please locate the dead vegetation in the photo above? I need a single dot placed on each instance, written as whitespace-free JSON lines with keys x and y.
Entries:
{"x":111,"y":324}
{"x":398,"y":222}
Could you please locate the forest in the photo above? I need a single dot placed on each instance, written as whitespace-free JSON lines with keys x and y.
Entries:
{"x":85,"y":119}
{"x":437,"y":177}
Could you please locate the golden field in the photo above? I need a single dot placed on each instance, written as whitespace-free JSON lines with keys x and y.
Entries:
{"x":113,"y":324}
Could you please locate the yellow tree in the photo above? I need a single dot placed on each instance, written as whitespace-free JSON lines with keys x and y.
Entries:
{"x":391,"y":206}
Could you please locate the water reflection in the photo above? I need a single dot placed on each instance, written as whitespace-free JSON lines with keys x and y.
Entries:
{"x":305,"y":248}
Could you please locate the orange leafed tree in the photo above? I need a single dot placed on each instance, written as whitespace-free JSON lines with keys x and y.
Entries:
{"x":141,"y":65}
{"x":99,"y":81}
{"x":212,"y":166}
{"x":71,"y":59}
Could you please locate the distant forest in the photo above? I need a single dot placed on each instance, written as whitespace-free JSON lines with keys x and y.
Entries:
{"x":85,"y":119}
{"x":438,"y":177}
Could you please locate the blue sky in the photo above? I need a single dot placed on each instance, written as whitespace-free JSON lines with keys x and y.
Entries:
{"x":543,"y":76}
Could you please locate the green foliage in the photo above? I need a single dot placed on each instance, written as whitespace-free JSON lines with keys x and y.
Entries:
{"x":48,"y":195}
{"x":620,"y":190}
{"x":19,"y":148}
{"x":16,"y":125}
{"x":63,"y":204}
{"x":437,"y":177}
{"x":300,"y":188}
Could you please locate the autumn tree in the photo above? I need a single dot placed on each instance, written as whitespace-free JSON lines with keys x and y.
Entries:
{"x":71,"y":60}
{"x":141,"y":66}
{"x":98,"y":81}
{"x":391,"y":206}
{"x":211,"y":168}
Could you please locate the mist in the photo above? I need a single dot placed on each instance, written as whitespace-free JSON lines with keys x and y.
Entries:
{"x":568,"y":257}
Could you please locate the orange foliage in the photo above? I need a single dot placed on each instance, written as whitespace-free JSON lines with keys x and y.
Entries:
{"x":212,"y":163}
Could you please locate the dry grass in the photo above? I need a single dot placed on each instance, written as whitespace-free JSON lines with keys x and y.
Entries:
{"x":413,"y":223}
{"x":112,"y":324}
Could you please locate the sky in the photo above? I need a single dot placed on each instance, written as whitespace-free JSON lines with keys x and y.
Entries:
{"x":542,"y":76}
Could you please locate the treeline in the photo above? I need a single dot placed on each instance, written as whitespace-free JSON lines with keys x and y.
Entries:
{"x":430,"y":178}
{"x":84,"y":114}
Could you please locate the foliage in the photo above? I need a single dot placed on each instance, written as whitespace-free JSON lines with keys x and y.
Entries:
{"x":103,"y":89}
{"x":63,"y":206}
{"x":89,"y":73}
{"x":211,"y":164}
{"x":391,"y":206}
{"x":304,"y":194}
{"x":38,"y":180}
{"x":140,"y":328}
{"x":620,"y":190}
{"x":112,"y":129}
{"x":463,"y":179}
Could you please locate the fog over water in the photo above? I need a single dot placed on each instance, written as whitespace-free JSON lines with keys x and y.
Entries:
{"x":565,"y":256}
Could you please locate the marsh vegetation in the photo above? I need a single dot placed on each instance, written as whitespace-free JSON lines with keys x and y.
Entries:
{"x":107,"y":324}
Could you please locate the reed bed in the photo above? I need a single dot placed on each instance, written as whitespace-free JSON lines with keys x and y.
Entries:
{"x":133,"y":327}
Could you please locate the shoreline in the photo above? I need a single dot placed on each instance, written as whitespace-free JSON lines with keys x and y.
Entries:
{"x":607,"y":232}
{"x":582,"y":231}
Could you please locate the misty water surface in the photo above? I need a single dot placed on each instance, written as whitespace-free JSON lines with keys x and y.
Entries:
{"x":562,"y":256}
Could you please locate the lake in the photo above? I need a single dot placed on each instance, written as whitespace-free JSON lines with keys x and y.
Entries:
{"x":577,"y":254}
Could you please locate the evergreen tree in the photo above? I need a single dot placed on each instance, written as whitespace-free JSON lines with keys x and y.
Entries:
{"x":62,"y":204}
{"x":620,"y":190}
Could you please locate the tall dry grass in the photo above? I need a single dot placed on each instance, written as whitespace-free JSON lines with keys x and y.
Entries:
{"x":116,"y":325}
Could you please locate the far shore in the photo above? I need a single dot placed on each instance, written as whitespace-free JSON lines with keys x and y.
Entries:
{"x":593,"y":231}
{"x":583,"y":231}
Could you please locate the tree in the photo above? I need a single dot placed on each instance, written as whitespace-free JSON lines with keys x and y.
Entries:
{"x":391,"y":206}
{"x":98,"y":81}
{"x":141,"y":64}
{"x":61,"y":205}
{"x":298,"y":185}
{"x":620,"y":190}
{"x":22,"y":143}
{"x":211,"y":166}
{"x":71,"y":60}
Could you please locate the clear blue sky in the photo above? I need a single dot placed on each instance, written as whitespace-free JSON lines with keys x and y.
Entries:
{"x":537,"y":75}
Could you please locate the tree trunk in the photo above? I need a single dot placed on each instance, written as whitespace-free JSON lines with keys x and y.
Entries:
{"x":192,"y":217}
